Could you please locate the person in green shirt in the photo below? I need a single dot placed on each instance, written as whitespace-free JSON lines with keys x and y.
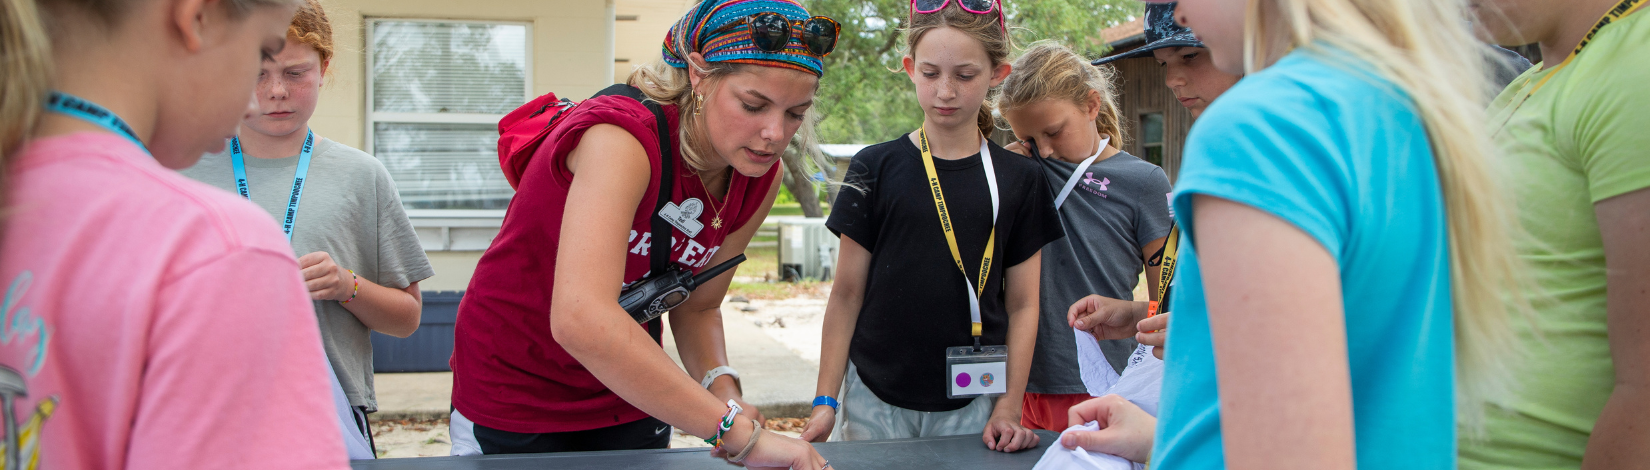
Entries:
{"x":1575,"y":136}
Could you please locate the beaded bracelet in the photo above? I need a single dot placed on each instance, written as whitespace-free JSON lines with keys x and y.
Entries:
{"x":357,"y":289}
{"x":726,"y":424}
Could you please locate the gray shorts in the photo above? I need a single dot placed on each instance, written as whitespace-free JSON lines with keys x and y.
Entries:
{"x":863,"y":416}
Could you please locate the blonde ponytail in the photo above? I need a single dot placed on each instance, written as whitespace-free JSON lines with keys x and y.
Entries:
{"x":25,"y":55}
{"x":1424,"y":47}
{"x":987,"y":119}
{"x":1051,"y":71}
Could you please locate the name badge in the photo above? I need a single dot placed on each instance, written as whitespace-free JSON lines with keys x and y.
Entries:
{"x":971,"y":373}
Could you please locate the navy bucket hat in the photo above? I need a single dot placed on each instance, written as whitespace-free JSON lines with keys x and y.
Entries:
{"x":1161,"y":32}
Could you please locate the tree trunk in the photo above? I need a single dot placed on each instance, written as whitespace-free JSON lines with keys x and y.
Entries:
{"x":800,"y":185}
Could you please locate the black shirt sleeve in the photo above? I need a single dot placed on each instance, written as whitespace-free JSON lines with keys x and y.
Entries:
{"x":1038,"y":221}
{"x":854,"y":213}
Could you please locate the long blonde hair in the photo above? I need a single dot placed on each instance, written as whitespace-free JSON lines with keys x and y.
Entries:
{"x":1424,"y":47}
{"x":983,"y":28}
{"x":1051,"y":71}
{"x":26,"y":58}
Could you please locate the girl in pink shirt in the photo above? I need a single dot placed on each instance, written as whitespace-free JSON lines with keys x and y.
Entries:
{"x":148,"y":321}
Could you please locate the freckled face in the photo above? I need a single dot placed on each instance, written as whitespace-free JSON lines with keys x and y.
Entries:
{"x":752,"y":115}
{"x":952,"y":73}
{"x":289,"y":86}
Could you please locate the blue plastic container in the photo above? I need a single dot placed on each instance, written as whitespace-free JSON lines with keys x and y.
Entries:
{"x":428,"y":349}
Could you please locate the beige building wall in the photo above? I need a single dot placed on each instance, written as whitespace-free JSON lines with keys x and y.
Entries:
{"x":571,"y":54}
{"x":640,"y":30}
{"x":572,"y":49}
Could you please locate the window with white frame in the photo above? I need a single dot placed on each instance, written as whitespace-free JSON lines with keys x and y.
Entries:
{"x":436,"y":91}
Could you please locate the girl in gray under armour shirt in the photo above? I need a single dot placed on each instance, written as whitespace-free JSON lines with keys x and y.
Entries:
{"x":1113,"y":207}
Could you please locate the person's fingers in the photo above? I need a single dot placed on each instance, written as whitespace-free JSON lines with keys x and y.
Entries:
{"x":316,"y":271}
{"x":1157,"y":352}
{"x":1152,"y":339}
{"x":1021,"y":436}
{"x":990,"y":436}
{"x":1089,"y":440}
{"x":317,"y":285}
{"x":1020,"y":148}
{"x":812,"y":430}
{"x":1082,"y":307}
{"x":1088,"y":410}
{"x":819,"y":460}
{"x":1154,"y":323}
{"x":311,"y":259}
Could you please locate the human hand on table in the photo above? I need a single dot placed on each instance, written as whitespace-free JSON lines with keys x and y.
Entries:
{"x":1004,"y":432}
{"x":820,"y":424}
{"x":1154,"y":332}
{"x":773,"y":450}
{"x":1125,"y":429}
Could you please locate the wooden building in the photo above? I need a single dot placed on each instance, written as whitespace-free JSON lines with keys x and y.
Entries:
{"x":1154,"y":121}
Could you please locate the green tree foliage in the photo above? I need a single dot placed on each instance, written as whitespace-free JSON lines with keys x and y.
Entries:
{"x":866,"y":98}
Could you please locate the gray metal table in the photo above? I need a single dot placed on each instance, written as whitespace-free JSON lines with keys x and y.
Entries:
{"x":956,"y":452}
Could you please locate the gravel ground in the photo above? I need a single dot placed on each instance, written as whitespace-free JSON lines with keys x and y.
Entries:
{"x":411,"y":438}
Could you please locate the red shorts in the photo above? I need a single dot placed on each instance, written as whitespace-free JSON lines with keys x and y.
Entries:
{"x":1048,"y":410}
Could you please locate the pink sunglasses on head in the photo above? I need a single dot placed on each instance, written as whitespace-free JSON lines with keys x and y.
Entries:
{"x":978,"y":7}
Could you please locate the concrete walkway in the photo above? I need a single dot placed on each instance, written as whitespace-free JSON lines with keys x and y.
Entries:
{"x":775,"y":379}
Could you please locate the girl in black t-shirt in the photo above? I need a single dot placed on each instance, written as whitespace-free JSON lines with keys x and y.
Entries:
{"x":901,"y":295}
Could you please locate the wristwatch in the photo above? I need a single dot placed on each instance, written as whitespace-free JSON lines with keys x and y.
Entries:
{"x":711,"y":375}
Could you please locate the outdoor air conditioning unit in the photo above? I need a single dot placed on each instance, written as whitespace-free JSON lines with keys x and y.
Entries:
{"x":807,"y":250}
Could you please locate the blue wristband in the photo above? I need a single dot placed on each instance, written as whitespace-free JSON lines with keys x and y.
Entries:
{"x":825,"y":400}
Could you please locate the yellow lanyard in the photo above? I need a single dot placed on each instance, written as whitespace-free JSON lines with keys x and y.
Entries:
{"x":1623,"y":8}
{"x":975,"y":293}
{"x":1166,"y":275}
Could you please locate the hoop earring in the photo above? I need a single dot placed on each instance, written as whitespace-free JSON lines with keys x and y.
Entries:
{"x":698,"y":104}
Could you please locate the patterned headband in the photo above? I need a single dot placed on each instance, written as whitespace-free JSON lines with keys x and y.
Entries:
{"x":734,"y":44}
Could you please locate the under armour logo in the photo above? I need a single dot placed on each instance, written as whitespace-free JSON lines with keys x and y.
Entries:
{"x":1089,"y":179}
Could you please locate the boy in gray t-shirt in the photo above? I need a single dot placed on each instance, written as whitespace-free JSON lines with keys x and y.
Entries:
{"x":350,"y":211}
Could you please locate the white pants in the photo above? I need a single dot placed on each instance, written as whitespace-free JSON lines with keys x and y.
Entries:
{"x":463,"y":434}
{"x":350,"y":421}
{"x":863,"y":416}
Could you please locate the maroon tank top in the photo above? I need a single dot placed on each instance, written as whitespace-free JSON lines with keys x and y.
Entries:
{"x":508,"y":372}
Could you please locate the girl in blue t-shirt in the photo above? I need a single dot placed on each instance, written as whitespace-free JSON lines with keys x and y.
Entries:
{"x":942,"y":233}
{"x":1348,"y":249}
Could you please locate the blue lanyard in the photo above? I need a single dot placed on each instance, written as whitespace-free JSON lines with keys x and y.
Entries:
{"x":239,"y":160}
{"x":74,"y":106}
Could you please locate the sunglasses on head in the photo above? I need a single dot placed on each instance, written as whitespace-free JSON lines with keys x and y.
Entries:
{"x":978,"y":7}
{"x":771,"y":31}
